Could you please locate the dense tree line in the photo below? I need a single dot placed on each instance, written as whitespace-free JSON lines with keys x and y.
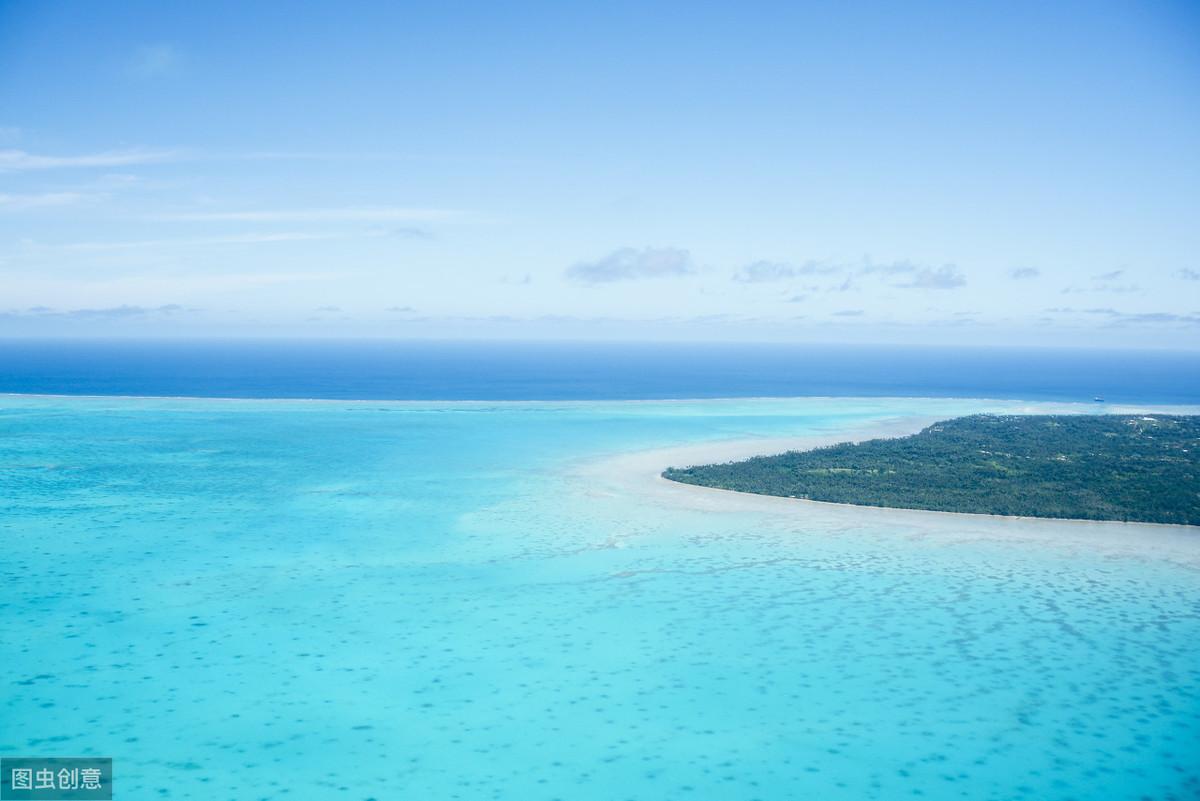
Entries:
{"x":1096,"y":467}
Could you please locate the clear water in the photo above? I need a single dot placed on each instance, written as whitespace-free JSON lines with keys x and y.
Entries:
{"x":336,"y":600}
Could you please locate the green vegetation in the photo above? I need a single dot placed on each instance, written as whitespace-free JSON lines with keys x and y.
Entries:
{"x":1095,"y":467}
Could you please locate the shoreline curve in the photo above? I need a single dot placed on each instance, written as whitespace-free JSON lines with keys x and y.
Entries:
{"x":738,"y":450}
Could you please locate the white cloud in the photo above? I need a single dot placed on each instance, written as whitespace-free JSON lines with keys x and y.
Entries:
{"x":243,"y":239}
{"x":1104,"y":282}
{"x":108,"y":312}
{"x":12,"y":160}
{"x":948,"y":276}
{"x":629,"y":263}
{"x":888,"y":268}
{"x":764,"y":271}
{"x":944,"y":277}
{"x":39,"y":200}
{"x":345,"y":214}
{"x":154,"y":60}
{"x":155,"y":289}
{"x":1126,"y":318}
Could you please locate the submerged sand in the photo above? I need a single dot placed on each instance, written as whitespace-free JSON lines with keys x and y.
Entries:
{"x":638,"y":476}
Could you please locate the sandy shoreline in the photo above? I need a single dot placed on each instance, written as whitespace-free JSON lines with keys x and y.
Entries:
{"x":639,"y":476}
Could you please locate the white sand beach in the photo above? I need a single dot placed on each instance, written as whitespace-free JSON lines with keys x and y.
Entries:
{"x":638,"y":476}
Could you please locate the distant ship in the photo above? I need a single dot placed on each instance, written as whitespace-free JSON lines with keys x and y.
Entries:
{"x":1099,"y":399}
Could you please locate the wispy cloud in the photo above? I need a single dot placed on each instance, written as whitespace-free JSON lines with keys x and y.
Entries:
{"x":1022,"y":273}
{"x":343,"y":214}
{"x":1119,"y":318}
{"x":628,"y":264}
{"x":1188,"y":274}
{"x":154,"y":60}
{"x":242,"y":239}
{"x":144,"y":290}
{"x":886,"y":268}
{"x":1104,"y":283}
{"x":1126,"y":318}
{"x":765,"y":271}
{"x":914,"y":276}
{"x":944,"y":277}
{"x":14,"y":160}
{"x":900,"y":275}
{"x":105,"y":313}
{"x":411,"y":232}
{"x":39,"y":200}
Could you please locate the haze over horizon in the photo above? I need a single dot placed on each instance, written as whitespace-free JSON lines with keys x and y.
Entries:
{"x":993,"y":174}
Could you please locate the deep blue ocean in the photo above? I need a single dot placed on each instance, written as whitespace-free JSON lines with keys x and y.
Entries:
{"x":397,"y":370}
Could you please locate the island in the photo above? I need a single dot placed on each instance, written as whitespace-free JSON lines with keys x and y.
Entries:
{"x":1143,"y":468}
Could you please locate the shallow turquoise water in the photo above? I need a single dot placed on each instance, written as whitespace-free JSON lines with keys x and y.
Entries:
{"x":252,"y":599}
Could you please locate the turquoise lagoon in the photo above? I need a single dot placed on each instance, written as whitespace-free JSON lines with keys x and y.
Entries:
{"x":357,"y":600}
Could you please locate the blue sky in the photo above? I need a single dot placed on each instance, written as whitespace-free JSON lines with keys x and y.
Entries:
{"x":942,"y":172}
